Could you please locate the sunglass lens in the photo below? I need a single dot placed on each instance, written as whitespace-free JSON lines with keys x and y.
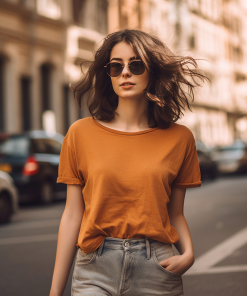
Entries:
{"x":137,"y":67}
{"x":114,"y":69}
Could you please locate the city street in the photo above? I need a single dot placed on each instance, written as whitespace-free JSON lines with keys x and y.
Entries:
{"x":144,"y":86}
{"x":217,"y":217}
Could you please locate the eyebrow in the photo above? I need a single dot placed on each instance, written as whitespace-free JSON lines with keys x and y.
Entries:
{"x":131,"y":59}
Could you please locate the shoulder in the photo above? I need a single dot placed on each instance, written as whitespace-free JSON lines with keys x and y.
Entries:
{"x":77,"y":129}
{"x":80,"y":124}
{"x":183,"y":136}
{"x":183,"y":131}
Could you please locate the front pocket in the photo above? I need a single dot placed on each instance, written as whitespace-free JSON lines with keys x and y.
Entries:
{"x":84,"y":258}
{"x":160,"y":253}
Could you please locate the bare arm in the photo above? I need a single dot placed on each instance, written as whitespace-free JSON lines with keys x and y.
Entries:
{"x":179,"y":263}
{"x":67,"y":238}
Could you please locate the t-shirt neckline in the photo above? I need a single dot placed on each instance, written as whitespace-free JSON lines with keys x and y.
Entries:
{"x":122,"y":132}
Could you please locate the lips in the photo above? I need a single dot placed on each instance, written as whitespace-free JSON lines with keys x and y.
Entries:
{"x":127,"y":83}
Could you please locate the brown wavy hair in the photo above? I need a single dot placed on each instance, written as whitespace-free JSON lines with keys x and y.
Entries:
{"x":166,"y":91}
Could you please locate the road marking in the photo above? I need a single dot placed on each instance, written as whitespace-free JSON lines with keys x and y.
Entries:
{"x":219,"y":269}
{"x":31,"y":225}
{"x":205,"y":263}
{"x":28,"y":239}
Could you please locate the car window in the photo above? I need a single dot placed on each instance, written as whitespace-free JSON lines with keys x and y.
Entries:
{"x":46,"y":146}
{"x":231,"y":148}
{"x":54,"y":147}
{"x":237,"y":145}
{"x":16,"y":146}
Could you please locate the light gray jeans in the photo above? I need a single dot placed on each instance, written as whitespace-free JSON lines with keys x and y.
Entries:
{"x":128,"y":267}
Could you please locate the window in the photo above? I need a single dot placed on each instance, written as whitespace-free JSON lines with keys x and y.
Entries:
{"x":102,"y":17}
{"x":46,"y":75}
{"x":192,"y":41}
{"x":46,"y":146}
{"x":26,"y":101}
{"x":91,"y":14}
{"x":66,"y":91}
{"x":53,"y":146}
{"x":15,"y":146}
{"x":49,"y":8}
{"x":86,"y":44}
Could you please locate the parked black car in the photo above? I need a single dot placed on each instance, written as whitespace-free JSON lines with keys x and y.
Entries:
{"x":208,"y":167}
{"x":32,"y":160}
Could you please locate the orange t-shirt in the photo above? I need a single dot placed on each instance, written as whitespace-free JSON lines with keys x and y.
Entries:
{"x":126,"y":179}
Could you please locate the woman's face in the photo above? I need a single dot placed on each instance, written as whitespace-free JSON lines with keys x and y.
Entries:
{"x":124,"y":53}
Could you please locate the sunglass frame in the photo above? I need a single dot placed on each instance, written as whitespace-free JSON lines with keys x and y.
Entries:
{"x":123,"y":65}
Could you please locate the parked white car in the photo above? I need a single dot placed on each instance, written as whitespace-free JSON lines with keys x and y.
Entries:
{"x":8,"y":197}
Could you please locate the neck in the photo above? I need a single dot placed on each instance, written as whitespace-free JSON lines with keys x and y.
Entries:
{"x":132,"y":113}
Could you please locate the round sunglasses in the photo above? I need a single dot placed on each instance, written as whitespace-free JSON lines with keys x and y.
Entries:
{"x":114,"y":69}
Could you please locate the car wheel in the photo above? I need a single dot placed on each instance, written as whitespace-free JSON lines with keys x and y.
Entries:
{"x":46,"y":193}
{"x":5,"y":208}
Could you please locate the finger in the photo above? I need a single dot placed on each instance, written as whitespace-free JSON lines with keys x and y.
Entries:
{"x":164,"y":263}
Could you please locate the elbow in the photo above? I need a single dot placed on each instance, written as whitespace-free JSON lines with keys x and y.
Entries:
{"x":192,"y":259}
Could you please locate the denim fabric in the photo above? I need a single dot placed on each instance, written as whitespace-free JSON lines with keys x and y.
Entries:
{"x":128,"y":267}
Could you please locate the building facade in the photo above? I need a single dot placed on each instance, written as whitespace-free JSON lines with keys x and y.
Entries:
{"x":42,"y":43}
{"x":31,"y":63}
{"x":213,"y":32}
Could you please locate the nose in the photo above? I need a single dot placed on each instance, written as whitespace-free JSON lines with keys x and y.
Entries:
{"x":126,"y":72}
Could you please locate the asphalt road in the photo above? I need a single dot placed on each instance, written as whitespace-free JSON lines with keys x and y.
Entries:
{"x":216,"y":214}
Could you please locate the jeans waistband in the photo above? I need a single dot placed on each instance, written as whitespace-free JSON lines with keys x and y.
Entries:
{"x":125,"y":244}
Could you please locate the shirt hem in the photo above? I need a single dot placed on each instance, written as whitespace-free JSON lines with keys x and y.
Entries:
{"x":70,"y":181}
{"x":187,"y":185}
{"x":95,"y":245}
{"x":90,"y":249}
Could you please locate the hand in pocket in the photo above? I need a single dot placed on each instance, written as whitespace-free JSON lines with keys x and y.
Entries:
{"x":178,"y":264}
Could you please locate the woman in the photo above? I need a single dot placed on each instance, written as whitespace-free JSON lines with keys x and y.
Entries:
{"x":127,"y":169}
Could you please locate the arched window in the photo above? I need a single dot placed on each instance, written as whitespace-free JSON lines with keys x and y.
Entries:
{"x":46,"y":77}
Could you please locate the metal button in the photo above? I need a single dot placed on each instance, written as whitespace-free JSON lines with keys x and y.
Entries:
{"x":126,"y":244}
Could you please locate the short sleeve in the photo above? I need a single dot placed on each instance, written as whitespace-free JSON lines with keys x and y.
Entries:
{"x":67,"y":169}
{"x":189,"y":175}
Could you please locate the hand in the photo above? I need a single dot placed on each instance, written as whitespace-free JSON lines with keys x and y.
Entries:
{"x":178,"y":264}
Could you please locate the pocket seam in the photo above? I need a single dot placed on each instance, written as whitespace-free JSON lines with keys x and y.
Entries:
{"x":90,"y":261}
{"x":163,"y":268}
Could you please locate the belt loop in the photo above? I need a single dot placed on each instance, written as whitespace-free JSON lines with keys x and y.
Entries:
{"x":148,"y":248}
{"x":100,"y":248}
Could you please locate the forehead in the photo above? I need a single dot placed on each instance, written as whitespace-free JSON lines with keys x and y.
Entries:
{"x":122,"y":50}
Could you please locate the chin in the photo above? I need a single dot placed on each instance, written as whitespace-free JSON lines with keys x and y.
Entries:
{"x":129,"y":95}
